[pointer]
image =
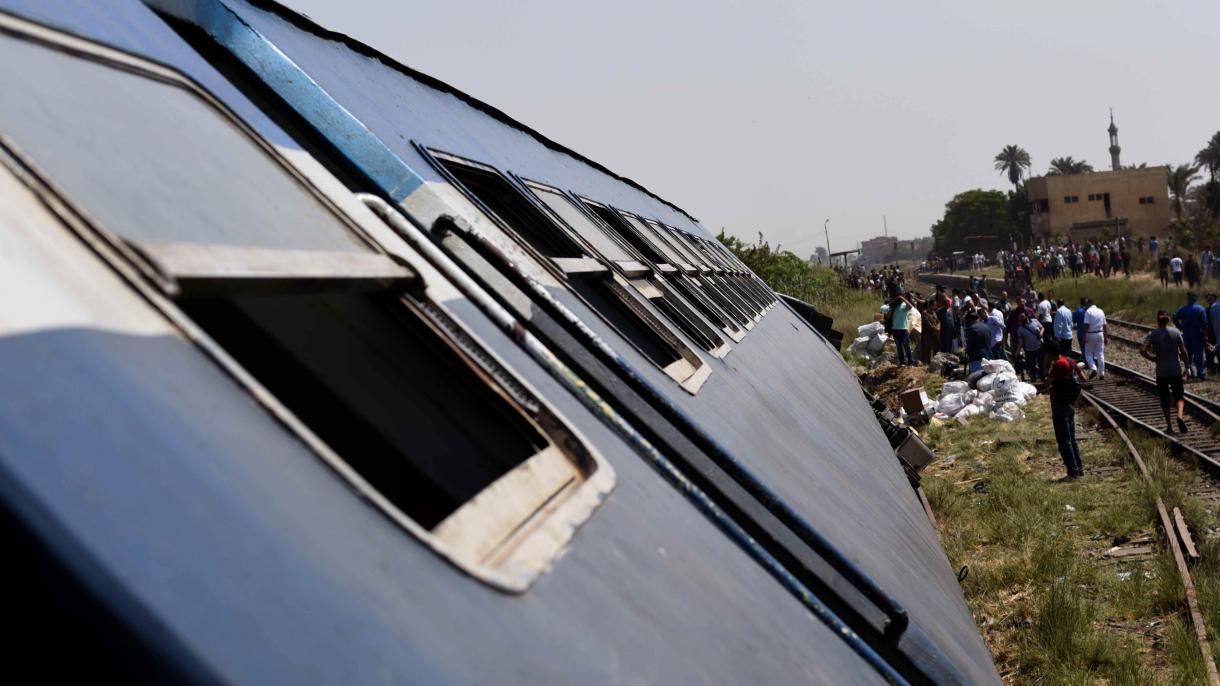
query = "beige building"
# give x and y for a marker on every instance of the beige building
(879, 249)
(1133, 202)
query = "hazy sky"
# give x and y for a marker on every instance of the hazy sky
(774, 115)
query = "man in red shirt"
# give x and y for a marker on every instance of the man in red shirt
(1062, 382)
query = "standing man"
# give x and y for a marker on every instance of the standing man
(1030, 333)
(1095, 340)
(1063, 384)
(995, 324)
(1191, 319)
(1206, 261)
(978, 342)
(1046, 312)
(1162, 267)
(1062, 326)
(948, 324)
(1213, 330)
(900, 309)
(1164, 346)
(1078, 320)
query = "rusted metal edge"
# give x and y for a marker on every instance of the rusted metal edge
(1192, 601)
(1184, 534)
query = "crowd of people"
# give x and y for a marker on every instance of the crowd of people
(996, 327)
(887, 279)
(1106, 259)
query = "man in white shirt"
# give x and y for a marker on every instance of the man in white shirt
(1175, 266)
(1045, 312)
(1095, 340)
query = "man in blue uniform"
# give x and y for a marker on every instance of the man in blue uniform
(1191, 319)
(1078, 320)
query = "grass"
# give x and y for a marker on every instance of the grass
(1135, 299)
(1053, 609)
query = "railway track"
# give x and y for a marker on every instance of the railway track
(1132, 399)
(1174, 529)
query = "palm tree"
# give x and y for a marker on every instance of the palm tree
(1012, 160)
(1210, 156)
(1067, 165)
(1180, 178)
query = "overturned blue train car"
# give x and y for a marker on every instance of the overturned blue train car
(314, 369)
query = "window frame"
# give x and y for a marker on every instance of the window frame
(711, 273)
(664, 269)
(690, 371)
(159, 274)
(647, 282)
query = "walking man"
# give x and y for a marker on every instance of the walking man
(1063, 384)
(1095, 340)
(1191, 319)
(1164, 346)
(1175, 265)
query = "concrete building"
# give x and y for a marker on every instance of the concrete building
(1133, 202)
(879, 249)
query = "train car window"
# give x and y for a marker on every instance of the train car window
(626, 232)
(725, 294)
(742, 297)
(80, 117)
(637, 273)
(652, 253)
(671, 255)
(562, 206)
(605, 292)
(334, 337)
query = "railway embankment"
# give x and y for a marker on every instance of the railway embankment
(1070, 582)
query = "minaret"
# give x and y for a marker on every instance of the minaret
(1114, 149)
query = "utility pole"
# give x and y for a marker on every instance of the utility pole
(885, 224)
(827, 232)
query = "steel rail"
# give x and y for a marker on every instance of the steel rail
(1134, 400)
(1192, 600)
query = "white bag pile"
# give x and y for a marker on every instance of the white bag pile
(870, 340)
(999, 394)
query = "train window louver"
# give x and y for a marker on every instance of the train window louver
(331, 334)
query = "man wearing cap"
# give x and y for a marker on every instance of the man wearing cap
(1095, 339)
(1191, 319)
(1165, 347)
